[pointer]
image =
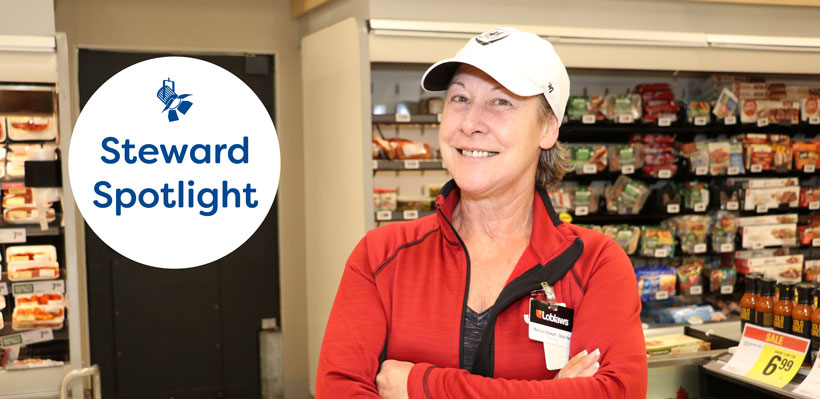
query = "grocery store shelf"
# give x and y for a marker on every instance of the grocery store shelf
(683, 174)
(388, 216)
(720, 381)
(408, 164)
(406, 119)
(575, 132)
(33, 230)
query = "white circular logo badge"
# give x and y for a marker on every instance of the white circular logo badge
(174, 162)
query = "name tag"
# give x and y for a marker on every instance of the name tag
(552, 325)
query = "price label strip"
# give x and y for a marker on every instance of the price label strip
(588, 119)
(811, 385)
(10, 236)
(730, 120)
(767, 356)
(27, 338)
(384, 215)
(38, 287)
(4, 289)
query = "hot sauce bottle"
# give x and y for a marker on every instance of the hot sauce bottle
(747, 302)
(764, 306)
(801, 315)
(783, 307)
(815, 327)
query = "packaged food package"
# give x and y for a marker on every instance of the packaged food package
(650, 87)
(432, 190)
(689, 273)
(725, 105)
(805, 153)
(698, 109)
(721, 277)
(2, 162)
(615, 106)
(654, 279)
(759, 253)
(718, 157)
(32, 262)
(736, 157)
(656, 109)
(626, 196)
(585, 196)
(809, 197)
(744, 265)
(676, 343)
(696, 195)
(785, 112)
(782, 147)
(26, 215)
(809, 109)
(623, 155)
(758, 156)
(626, 236)
(29, 318)
(695, 314)
(767, 219)
(413, 150)
(780, 272)
(691, 230)
(583, 155)
(414, 203)
(808, 234)
(31, 128)
(17, 155)
(723, 229)
(669, 198)
(384, 199)
(769, 235)
(771, 197)
(659, 154)
(811, 270)
(51, 300)
(657, 240)
(763, 182)
(697, 153)
(577, 108)
(729, 198)
(561, 198)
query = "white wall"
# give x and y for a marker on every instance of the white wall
(236, 27)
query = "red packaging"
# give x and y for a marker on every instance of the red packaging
(809, 195)
(658, 95)
(643, 88)
(805, 153)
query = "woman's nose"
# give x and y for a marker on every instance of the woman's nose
(473, 120)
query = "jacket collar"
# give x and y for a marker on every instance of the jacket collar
(550, 236)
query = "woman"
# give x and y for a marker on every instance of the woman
(433, 307)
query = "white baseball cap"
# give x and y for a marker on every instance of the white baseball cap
(520, 61)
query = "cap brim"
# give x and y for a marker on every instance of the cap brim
(438, 77)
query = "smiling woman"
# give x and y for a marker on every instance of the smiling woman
(432, 307)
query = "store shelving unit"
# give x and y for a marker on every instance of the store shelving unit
(717, 383)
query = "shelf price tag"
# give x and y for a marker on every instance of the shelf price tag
(38, 287)
(410, 215)
(27, 338)
(673, 208)
(696, 290)
(811, 384)
(665, 121)
(727, 247)
(438, 117)
(628, 170)
(625, 119)
(589, 169)
(767, 356)
(4, 289)
(14, 235)
(814, 205)
(733, 170)
(384, 215)
(701, 120)
(664, 174)
(581, 211)
(757, 245)
(815, 242)
(727, 289)
(732, 206)
(762, 122)
(375, 165)
(762, 209)
(661, 295)
(700, 207)
(756, 168)
(702, 170)
(588, 119)
(411, 164)
(730, 120)
(809, 168)
(402, 117)
(814, 120)
(661, 252)
(700, 248)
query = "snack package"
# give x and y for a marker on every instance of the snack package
(584, 155)
(31, 128)
(721, 277)
(808, 233)
(759, 264)
(561, 198)
(692, 230)
(695, 314)
(782, 147)
(810, 197)
(626, 196)
(723, 229)
(577, 107)
(785, 112)
(659, 156)
(698, 155)
(625, 235)
(758, 153)
(805, 153)
(729, 198)
(655, 279)
(669, 198)
(811, 270)
(32, 262)
(726, 104)
(412, 150)
(585, 197)
(623, 155)
(384, 199)
(689, 273)
(617, 106)
(809, 109)
(696, 195)
(774, 197)
(769, 235)
(767, 219)
(735, 157)
(698, 109)
(657, 241)
(718, 157)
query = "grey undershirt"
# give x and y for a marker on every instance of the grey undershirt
(474, 324)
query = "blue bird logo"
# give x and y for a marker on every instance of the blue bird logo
(172, 101)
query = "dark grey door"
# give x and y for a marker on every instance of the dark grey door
(181, 333)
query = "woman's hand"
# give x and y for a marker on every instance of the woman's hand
(581, 365)
(392, 379)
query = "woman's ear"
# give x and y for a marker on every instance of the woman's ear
(549, 133)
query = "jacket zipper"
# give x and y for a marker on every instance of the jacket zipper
(466, 290)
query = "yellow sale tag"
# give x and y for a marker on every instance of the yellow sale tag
(776, 366)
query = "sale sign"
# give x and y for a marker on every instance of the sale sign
(768, 356)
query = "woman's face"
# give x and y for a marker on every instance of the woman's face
(491, 138)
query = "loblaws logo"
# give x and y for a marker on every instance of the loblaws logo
(551, 317)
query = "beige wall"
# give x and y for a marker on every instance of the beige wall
(217, 26)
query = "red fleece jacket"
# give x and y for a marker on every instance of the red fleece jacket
(403, 295)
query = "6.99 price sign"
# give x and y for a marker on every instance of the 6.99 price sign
(768, 356)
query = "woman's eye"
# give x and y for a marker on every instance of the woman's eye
(457, 98)
(502, 102)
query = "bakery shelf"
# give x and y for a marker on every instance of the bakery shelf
(33, 230)
(715, 382)
(401, 215)
(408, 164)
(406, 119)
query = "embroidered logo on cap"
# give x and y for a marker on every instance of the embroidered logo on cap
(549, 86)
(491, 36)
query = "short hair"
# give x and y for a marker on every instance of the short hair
(554, 162)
